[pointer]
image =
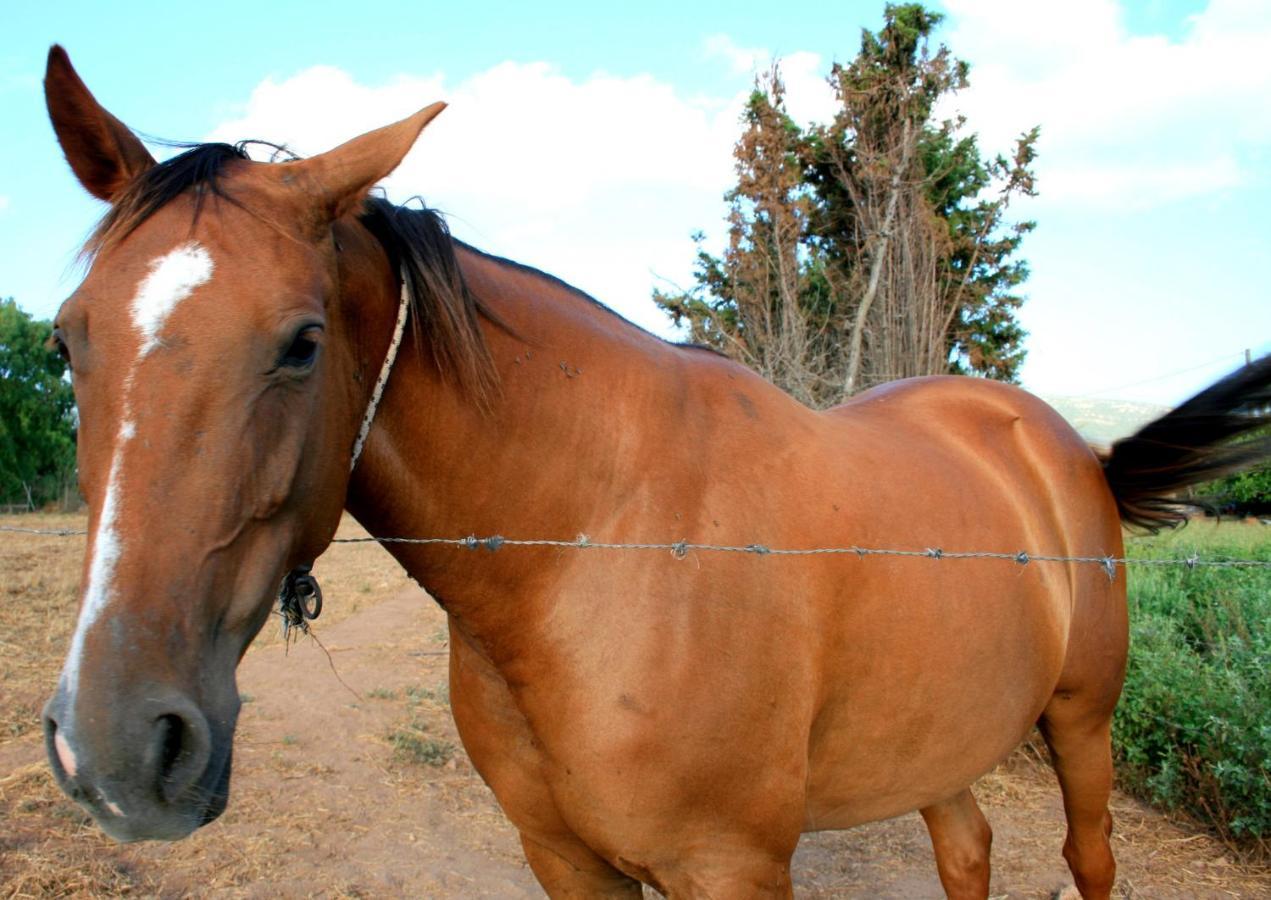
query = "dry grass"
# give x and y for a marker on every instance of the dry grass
(48, 846)
(38, 596)
(35, 811)
(1156, 854)
(302, 789)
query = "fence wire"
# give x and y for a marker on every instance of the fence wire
(681, 549)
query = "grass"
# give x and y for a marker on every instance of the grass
(38, 597)
(411, 744)
(1193, 730)
(439, 694)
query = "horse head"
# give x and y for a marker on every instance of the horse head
(220, 375)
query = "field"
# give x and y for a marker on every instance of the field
(356, 785)
(1193, 729)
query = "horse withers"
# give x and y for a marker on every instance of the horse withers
(640, 718)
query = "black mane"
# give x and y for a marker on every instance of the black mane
(445, 312)
(199, 169)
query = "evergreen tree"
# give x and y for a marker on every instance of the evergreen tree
(871, 247)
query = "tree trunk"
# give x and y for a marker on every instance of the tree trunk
(876, 264)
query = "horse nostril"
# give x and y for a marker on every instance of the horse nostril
(170, 728)
(61, 756)
(180, 750)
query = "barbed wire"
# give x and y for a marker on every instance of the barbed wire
(49, 532)
(681, 549)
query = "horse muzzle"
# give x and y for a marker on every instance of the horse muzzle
(151, 769)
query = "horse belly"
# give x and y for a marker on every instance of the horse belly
(932, 684)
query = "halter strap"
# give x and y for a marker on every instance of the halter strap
(389, 358)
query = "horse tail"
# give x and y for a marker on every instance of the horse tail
(1223, 429)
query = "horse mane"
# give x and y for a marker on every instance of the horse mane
(199, 169)
(444, 311)
(417, 240)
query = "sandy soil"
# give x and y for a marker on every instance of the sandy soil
(355, 787)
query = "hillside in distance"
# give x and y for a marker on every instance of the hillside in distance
(1104, 421)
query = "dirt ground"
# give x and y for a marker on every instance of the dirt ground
(356, 786)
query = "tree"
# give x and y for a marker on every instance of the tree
(871, 247)
(37, 412)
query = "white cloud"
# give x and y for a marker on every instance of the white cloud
(809, 97)
(740, 59)
(599, 181)
(1127, 120)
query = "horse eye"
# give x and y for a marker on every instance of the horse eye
(302, 351)
(59, 344)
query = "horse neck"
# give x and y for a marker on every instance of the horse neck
(584, 399)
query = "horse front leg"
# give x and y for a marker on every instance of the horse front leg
(582, 875)
(506, 754)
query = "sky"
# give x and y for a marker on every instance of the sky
(592, 140)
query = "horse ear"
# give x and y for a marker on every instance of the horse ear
(340, 178)
(103, 153)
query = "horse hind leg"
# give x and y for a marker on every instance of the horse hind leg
(961, 838)
(1081, 750)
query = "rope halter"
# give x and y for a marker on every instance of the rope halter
(403, 310)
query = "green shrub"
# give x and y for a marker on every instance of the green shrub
(1193, 731)
(1242, 493)
(411, 744)
(1247, 491)
(417, 693)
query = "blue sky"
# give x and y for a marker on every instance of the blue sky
(592, 140)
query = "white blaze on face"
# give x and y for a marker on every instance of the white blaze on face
(171, 279)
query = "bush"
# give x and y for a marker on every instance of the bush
(1241, 493)
(1246, 492)
(1193, 731)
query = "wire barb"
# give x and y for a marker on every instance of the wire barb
(1110, 566)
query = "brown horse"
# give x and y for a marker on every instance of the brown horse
(641, 718)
